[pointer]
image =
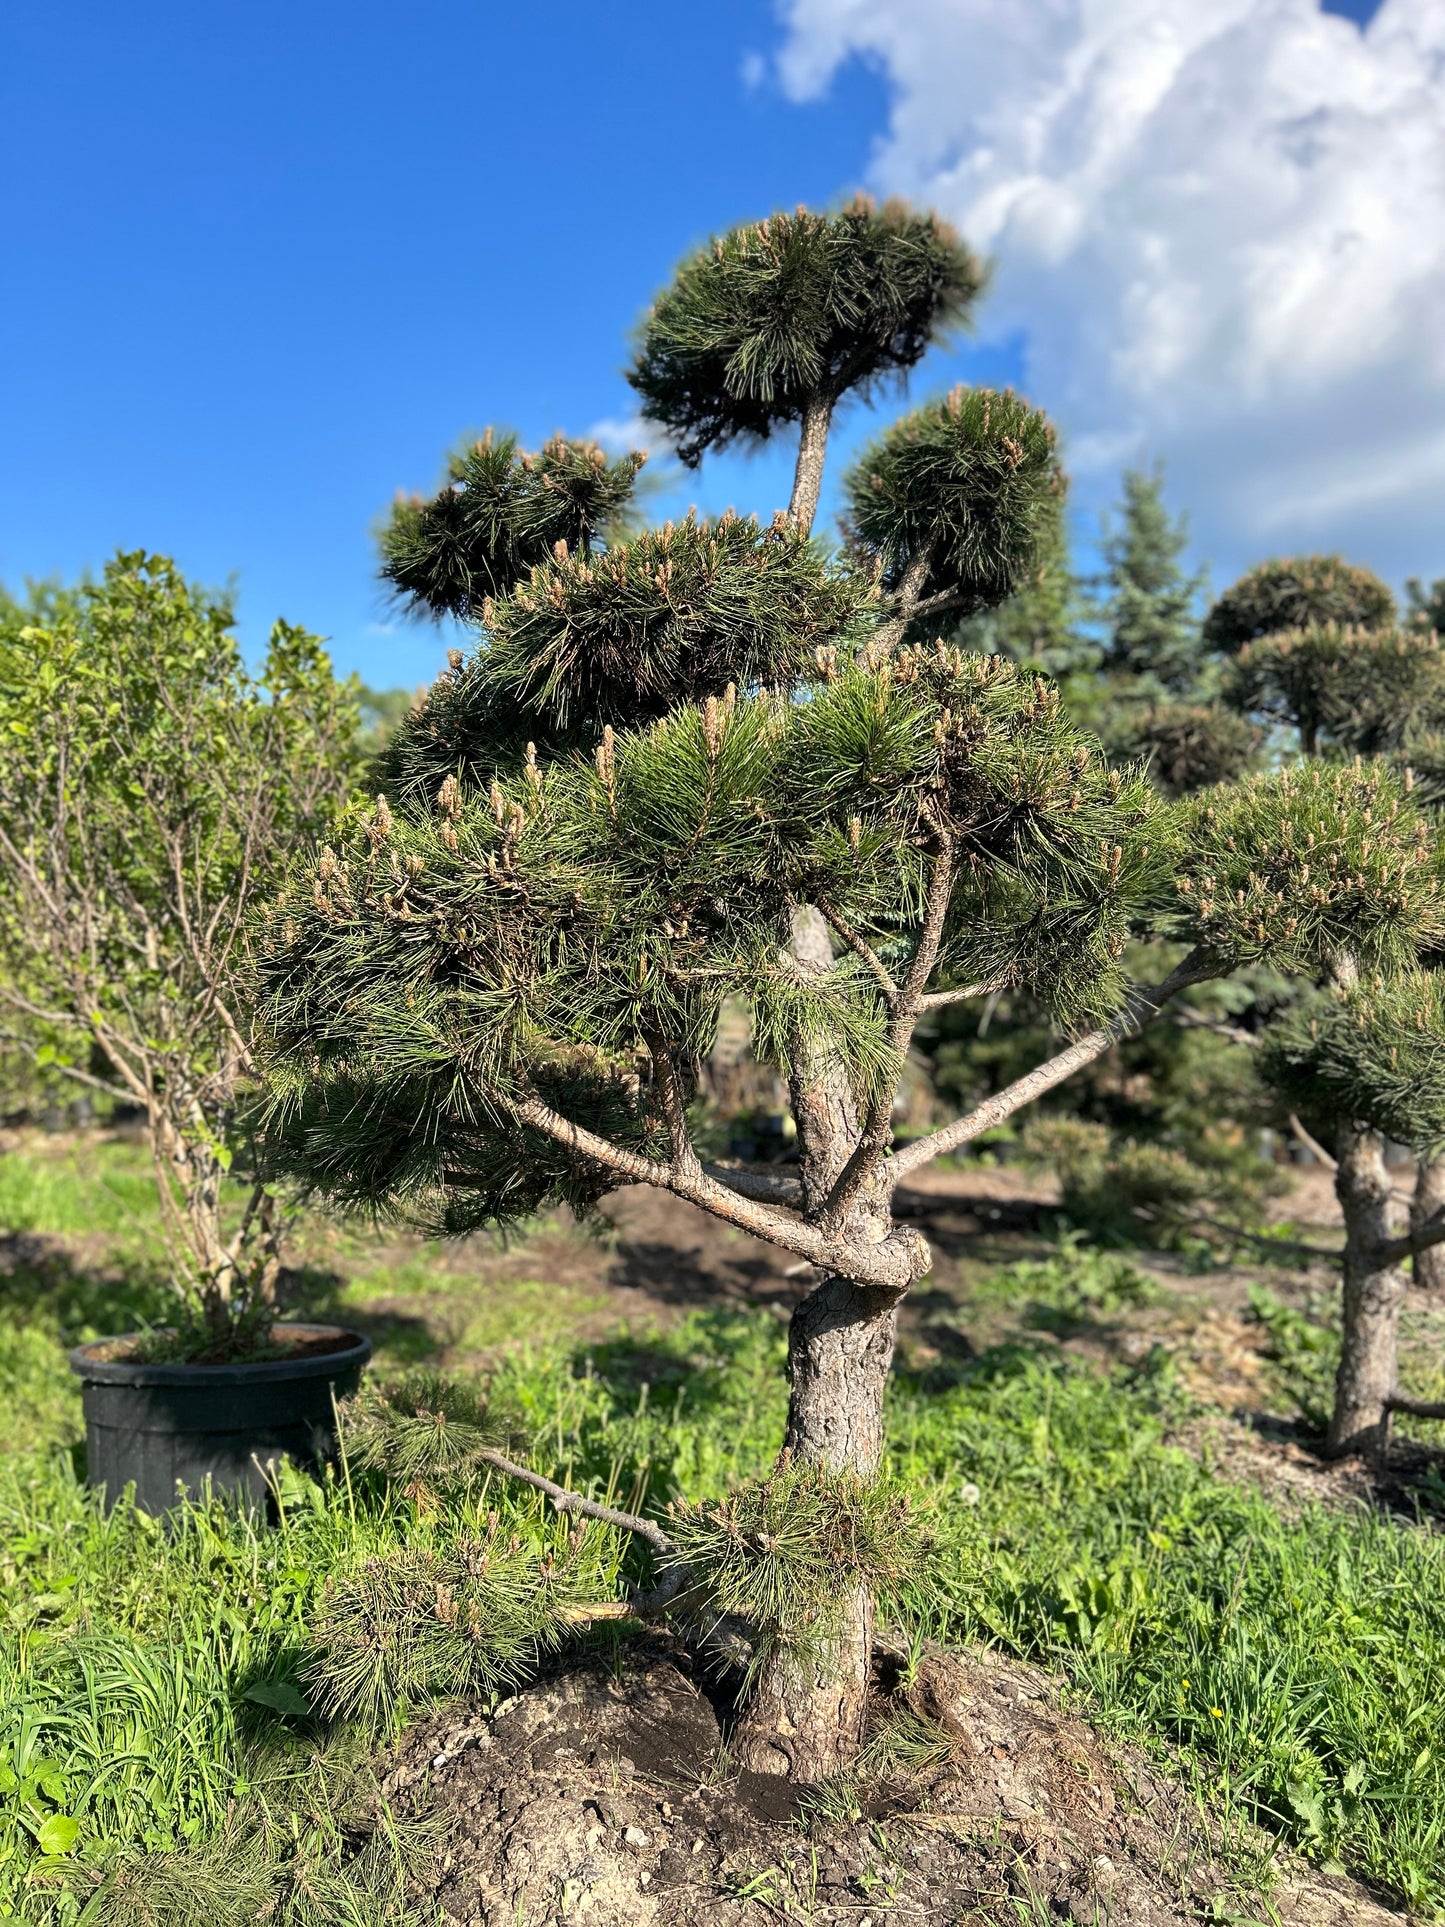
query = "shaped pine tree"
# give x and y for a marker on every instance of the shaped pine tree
(715, 761)
(1339, 678)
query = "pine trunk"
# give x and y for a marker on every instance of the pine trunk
(1429, 1198)
(805, 1716)
(812, 451)
(1373, 1292)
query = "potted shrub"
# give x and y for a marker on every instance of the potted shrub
(151, 793)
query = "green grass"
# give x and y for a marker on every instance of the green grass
(1292, 1663)
(1304, 1348)
(101, 1187)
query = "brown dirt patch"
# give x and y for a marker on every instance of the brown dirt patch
(604, 1797)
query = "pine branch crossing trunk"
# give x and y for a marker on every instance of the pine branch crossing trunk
(804, 1719)
(1429, 1198)
(1373, 1292)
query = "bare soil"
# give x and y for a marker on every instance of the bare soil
(604, 1796)
(282, 1342)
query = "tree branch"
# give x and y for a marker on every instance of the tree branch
(905, 605)
(889, 1264)
(674, 1106)
(566, 1501)
(940, 604)
(769, 1186)
(1143, 1005)
(1414, 1407)
(862, 948)
(1312, 1145)
(1394, 1251)
(812, 451)
(872, 1145)
(1195, 1020)
(936, 999)
(642, 1604)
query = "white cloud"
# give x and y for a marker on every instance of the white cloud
(1220, 225)
(620, 434)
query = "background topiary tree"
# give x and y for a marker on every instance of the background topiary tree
(1297, 593)
(714, 761)
(1335, 689)
(775, 322)
(151, 790)
(1425, 603)
(1176, 1110)
(1360, 1065)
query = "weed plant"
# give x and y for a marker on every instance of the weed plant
(1291, 1662)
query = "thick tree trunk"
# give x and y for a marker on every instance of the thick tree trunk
(804, 1719)
(812, 451)
(1429, 1198)
(1373, 1292)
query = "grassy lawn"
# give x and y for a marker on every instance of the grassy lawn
(1293, 1659)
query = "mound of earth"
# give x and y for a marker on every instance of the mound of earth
(605, 1797)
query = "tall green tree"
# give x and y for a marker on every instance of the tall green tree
(1149, 603)
(152, 793)
(494, 990)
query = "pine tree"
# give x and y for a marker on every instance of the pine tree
(1425, 604)
(1044, 624)
(1338, 689)
(1303, 592)
(494, 992)
(1365, 1063)
(1132, 668)
(1149, 606)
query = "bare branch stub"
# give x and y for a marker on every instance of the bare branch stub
(566, 1501)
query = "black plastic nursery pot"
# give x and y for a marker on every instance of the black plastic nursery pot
(164, 1427)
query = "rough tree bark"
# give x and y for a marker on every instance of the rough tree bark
(1429, 1265)
(812, 449)
(1374, 1287)
(804, 1719)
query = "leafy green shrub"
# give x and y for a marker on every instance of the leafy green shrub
(153, 791)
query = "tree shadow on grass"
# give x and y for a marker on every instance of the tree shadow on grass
(42, 1283)
(1409, 1482)
(316, 1295)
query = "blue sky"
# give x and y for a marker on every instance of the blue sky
(265, 262)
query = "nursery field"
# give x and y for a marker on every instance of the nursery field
(1112, 1454)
